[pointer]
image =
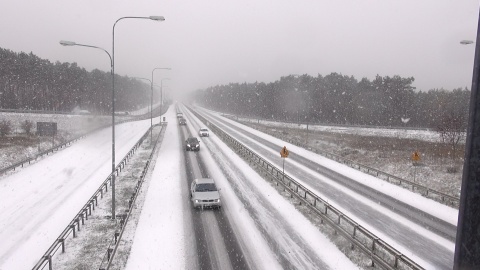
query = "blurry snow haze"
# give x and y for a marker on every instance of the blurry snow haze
(218, 42)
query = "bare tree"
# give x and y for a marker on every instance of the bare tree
(452, 129)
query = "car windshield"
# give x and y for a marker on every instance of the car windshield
(204, 129)
(192, 140)
(206, 187)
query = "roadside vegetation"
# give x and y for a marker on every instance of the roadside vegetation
(439, 167)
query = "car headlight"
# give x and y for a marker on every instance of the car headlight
(217, 200)
(197, 145)
(188, 145)
(197, 201)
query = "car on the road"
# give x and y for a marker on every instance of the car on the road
(179, 115)
(182, 121)
(204, 193)
(192, 144)
(203, 132)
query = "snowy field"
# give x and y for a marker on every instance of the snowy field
(418, 134)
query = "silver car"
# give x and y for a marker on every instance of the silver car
(203, 132)
(204, 193)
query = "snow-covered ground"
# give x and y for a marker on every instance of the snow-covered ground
(32, 215)
(38, 201)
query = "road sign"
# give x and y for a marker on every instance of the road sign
(284, 152)
(416, 156)
(46, 128)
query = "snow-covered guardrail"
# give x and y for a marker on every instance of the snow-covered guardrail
(381, 253)
(55, 148)
(85, 211)
(415, 187)
(112, 248)
(40, 155)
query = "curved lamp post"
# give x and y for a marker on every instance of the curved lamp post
(154, 18)
(112, 62)
(161, 104)
(151, 104)
(161, 91)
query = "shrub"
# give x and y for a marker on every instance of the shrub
(5, 127)
(27, 126)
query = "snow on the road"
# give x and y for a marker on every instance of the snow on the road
(39, 201)
(441, 211)
(263, 198)
(159, 241)
(436, 209)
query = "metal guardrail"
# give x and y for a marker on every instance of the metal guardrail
(378, 250)
(57, 147)
(421, 189)
(39, 155)
(110, 254)
(415, 187)
(84, 212)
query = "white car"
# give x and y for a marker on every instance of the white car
(204, 193)
(203, 132)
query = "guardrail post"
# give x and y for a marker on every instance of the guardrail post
(83, 223)
(73, 230)
(116, 236)
(63, 244)
(49, 259)
(77, 220)
(109, 253)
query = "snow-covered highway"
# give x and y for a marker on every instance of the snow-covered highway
(264, 230)
(256, 228)
(418, 227)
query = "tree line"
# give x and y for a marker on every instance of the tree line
(28, 82)
(340, 99)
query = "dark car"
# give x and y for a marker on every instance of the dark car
(182, 121)
(192, 144)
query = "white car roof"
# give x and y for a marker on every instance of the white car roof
(205, 181)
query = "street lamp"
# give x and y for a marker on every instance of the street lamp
(140, 78)
(151, 105)
(466, 42)
(112, 61)
(154, 18)
(71, 43)
(161, 105)
(161, 91)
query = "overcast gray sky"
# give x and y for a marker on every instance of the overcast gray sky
(219, 41)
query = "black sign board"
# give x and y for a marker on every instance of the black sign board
(46, 128)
